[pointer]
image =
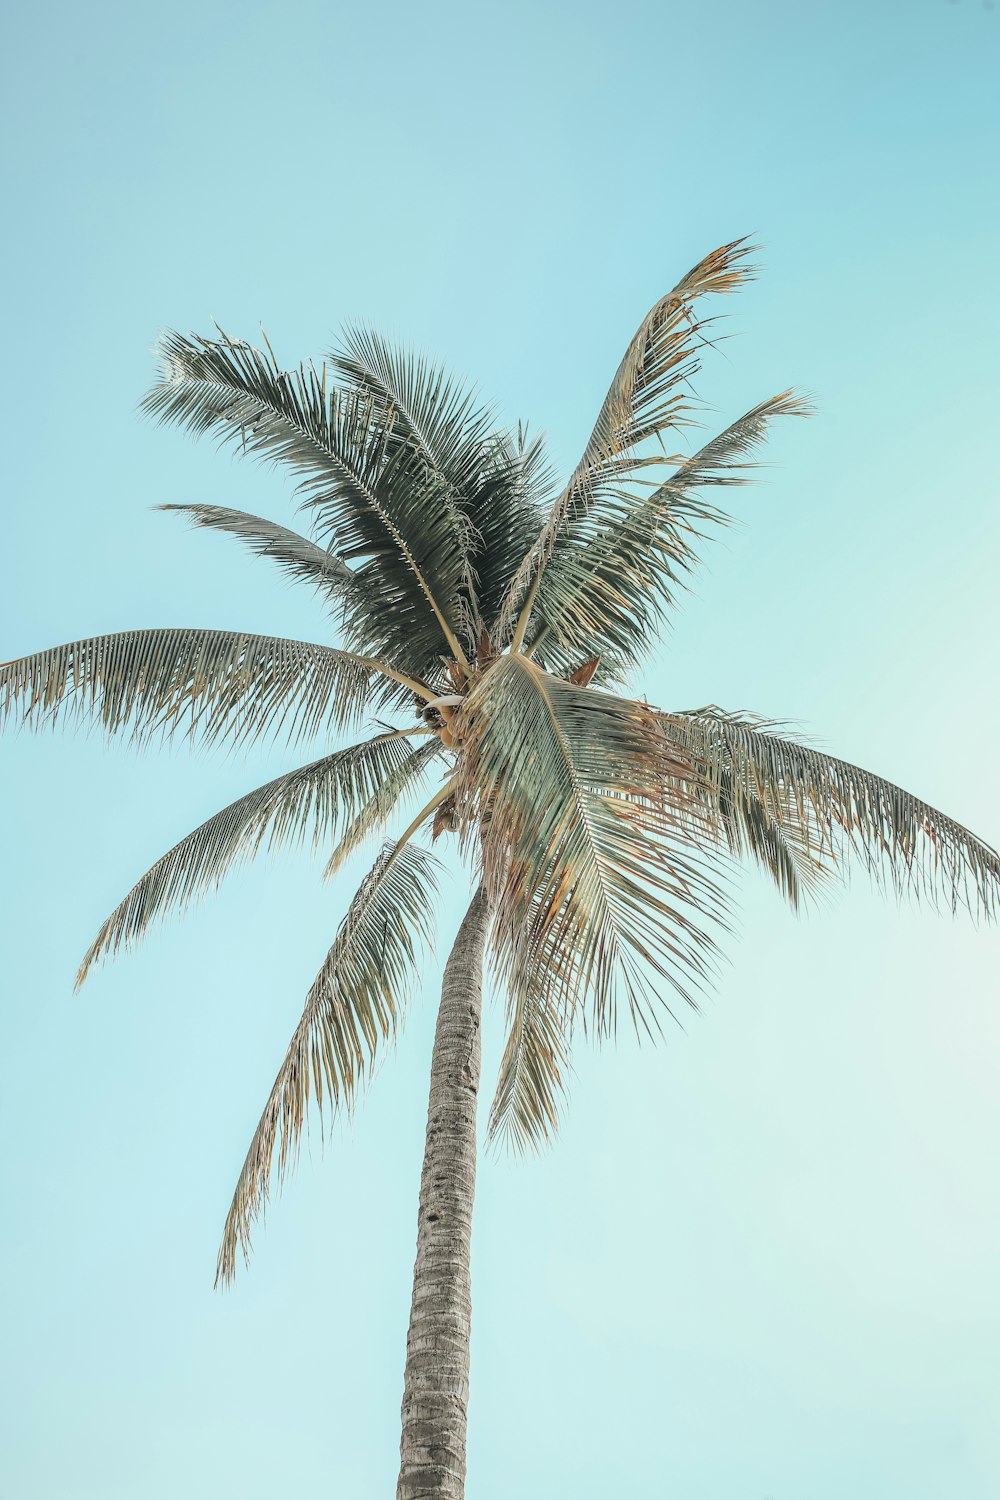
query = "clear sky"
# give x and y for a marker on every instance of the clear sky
(762, 1259)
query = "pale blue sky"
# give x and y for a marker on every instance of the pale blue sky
(762, 1259)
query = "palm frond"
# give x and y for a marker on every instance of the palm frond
(371, 497)
(724, 459)
(775, 840)
(612, 580)
(531, 1082)
(378, 807)
(833, 809)
(608, 589)
(507, 514)
(490, 480)
(314, 800)
(647, 397)
(295, 554)
(432, 411)
(352, 1009)
(591, 856)
(213, 684)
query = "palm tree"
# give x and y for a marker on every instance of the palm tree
(597, 828)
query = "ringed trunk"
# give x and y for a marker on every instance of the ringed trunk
(436, 1382)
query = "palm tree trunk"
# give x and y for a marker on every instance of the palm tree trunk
(436, 1383)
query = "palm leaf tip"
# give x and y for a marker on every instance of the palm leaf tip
(830, 810)
(531, 1083)
(296, 555)
(648, 397)
(352, 1009)
(312, 803)
(722, 271)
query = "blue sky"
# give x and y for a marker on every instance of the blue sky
(762, 1259)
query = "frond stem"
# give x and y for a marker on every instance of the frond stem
(521, 628)
(421, 689)
(425, 812)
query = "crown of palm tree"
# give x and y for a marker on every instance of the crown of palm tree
(506, 613)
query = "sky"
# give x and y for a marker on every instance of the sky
(761, 1259)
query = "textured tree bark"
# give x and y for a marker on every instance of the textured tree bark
(436, 1383)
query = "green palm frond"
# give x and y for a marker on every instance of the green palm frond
(532, 1079)
(352, 1009)
(833, 809)
(608, 588)
(591, 856)
(295, 554)
(213, 684)
(381, 802)
(490, 482)
(315, 800)
(724, 459)
(509, 512)
(776, 840)
(372, 498)
(432, 411)
(647, 397)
